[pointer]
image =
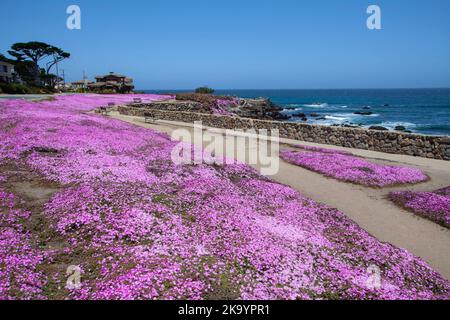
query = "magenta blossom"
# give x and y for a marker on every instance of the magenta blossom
(345, 167)
(431, 205)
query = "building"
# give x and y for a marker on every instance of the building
(80, 84)
(112, 82)
(7, 73)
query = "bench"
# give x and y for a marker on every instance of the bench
(104, 110)
(149, 117)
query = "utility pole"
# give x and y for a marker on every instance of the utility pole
(57, 73)
(85, 79)
(63, 76)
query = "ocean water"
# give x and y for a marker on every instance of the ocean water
(423, 111)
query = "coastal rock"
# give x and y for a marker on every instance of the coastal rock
(379, 128)
(299, 115)
(364, 113)
(447, 153)
(400, 128)
(260, 108)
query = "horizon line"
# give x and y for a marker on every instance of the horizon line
(287, 89)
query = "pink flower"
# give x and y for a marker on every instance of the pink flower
(345, 167)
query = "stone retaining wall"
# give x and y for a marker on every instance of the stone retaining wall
(172, 105)
(384, 141)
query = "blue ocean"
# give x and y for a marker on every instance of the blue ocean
(424, 111)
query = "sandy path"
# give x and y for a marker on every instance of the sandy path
(368, 207)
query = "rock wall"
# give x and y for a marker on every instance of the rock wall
(384, 141)
(173, 105)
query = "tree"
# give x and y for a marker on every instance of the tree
(205, 90)
(26, 71)
(58, 55)
(35, 52)
(50, 80)
(5, 59)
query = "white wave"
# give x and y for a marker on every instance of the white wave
(392, 124)
(316, 105)
(370, 115)
(336, 118)
(346, 116)
(289, 110)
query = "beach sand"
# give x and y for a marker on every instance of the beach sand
(368, 207)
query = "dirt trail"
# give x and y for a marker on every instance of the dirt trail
(368, 207)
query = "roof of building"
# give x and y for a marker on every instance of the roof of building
(108, 83)
(111, 74)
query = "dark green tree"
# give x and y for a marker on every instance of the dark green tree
(35, 52)
(26, 70)
(5, 59)
(58, 55)
(205, 90)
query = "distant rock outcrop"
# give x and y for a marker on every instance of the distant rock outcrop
(260, 108)
(379, 128)
(364, 113)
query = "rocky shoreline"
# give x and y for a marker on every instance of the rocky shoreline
(434, 147)
(257, 108)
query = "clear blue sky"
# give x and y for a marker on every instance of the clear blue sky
(168, 44)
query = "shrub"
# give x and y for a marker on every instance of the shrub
(13, 88)
(204, 90)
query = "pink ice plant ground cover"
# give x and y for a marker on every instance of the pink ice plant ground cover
(222, 106)
(319, 149)
(19, 259)
(344, 166)
(141, 227)
(431, 205)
